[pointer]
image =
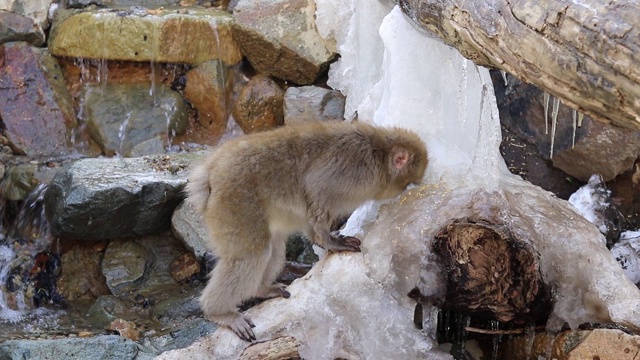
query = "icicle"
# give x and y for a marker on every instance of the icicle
(504, 77)
(495, 339)
(575, 123)
(529, 339)
(554, 122)
(546, 111)
(580, 118)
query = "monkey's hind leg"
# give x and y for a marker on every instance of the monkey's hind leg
(231, 282)
(268, 289)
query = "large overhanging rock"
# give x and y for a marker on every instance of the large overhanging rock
(586, 53)
(192, 37)
(107, 198)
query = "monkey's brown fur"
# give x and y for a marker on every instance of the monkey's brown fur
(256, 190)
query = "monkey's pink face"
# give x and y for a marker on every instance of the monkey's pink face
(411, 173)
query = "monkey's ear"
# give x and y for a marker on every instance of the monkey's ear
(400, 158)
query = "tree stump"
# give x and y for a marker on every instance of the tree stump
(490, 273)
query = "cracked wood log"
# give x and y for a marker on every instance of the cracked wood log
(490, 273)
(282, 348)
(586, 52)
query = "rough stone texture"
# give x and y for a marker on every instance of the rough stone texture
(604, 149)
(183, 306)
(128, 121)
(188, 226)
(126, 266)
(189, 331)
(191, 36)
(260, 105)
(165, 249)
(109, 198)
(107, 308)
(311, 103)
(80, 72)
(35, 106)
(35, 9)
(599, 148)
(105, 347)
(280, 39)
(16, 27)
(606, 344)
(207, 87)
(81, 276)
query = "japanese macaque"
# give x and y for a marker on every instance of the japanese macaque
(256, 190)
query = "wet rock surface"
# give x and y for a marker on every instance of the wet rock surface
(207, 89)
(81, 277)
(126, 266)
(35, 106)
(139, 34)
(126, 120)
(21, 179)
(259, 105)
(107, 198)
(280, 39)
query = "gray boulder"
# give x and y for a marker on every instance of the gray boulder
(126, 266)
(188, 226)
(105, 347)
(310, 103)
(125, 119)
(16, 27)
(111, 198)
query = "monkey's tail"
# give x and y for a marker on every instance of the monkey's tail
(198, 188)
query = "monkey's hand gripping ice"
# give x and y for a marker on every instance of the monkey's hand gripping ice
(343, 243)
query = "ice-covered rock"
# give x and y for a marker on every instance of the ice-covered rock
(592, 201)
(355, 305)
(627, 253)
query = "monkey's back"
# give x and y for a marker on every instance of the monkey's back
(262, 179)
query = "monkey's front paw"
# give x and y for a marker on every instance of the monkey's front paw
(273, 291)
(344, 243)
(242, 326)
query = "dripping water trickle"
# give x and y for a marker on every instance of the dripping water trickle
(28, 236)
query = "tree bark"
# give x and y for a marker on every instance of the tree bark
(491, 273)
(282, 348)
(586, 52)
